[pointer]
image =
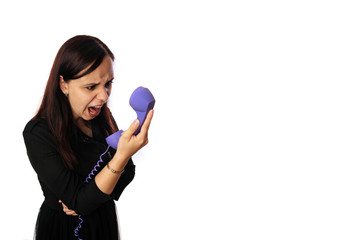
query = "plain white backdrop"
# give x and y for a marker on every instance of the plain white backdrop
(258, 129)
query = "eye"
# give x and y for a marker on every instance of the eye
(92, 87)
(109, 83)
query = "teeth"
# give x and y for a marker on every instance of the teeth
(97, 107)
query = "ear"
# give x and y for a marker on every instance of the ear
(63, 85)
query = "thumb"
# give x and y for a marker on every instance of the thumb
(133, 127)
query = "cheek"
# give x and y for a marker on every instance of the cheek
(79, 102)
(75, 105)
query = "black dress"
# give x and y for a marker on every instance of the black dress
(58, 182)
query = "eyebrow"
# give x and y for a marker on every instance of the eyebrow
(97, 83)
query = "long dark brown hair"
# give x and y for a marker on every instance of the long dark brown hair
(74, 56)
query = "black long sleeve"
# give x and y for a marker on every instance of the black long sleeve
(58, 182)
(56, 179)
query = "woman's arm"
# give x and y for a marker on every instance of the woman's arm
(63, 184)
(58, 182)
(128, 145)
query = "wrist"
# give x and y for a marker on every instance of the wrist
(119, 160)
(113, 170)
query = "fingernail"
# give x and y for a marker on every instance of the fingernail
(136, 121)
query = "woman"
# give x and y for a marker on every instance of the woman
(66, 138)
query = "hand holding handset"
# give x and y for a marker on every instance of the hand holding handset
(142, 101)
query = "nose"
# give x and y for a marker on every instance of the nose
(103, 94)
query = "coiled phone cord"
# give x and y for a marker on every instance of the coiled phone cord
(92, 173)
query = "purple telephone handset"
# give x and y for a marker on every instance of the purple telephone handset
(142, 101)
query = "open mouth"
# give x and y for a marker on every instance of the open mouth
(94, 111)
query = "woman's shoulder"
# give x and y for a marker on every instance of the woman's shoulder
(37, 127)
(38, 135)
(35, 124)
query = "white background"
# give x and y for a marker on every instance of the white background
(258, 129)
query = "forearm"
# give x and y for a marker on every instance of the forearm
(128, 144)
(106, 179)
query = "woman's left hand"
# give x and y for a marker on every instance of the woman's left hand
(67, 210)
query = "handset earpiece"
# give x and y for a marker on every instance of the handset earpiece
(142, 101)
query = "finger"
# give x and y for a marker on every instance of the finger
(144, 129)
(70, 212)
(64, 206)
(133, 127)
(67, 210)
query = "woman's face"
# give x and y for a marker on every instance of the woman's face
(89, 93)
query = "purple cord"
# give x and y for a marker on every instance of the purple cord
(92, 173)
(78, 227)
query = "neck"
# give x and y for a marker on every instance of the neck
(84, 126)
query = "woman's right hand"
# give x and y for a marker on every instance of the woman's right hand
(129, 143)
